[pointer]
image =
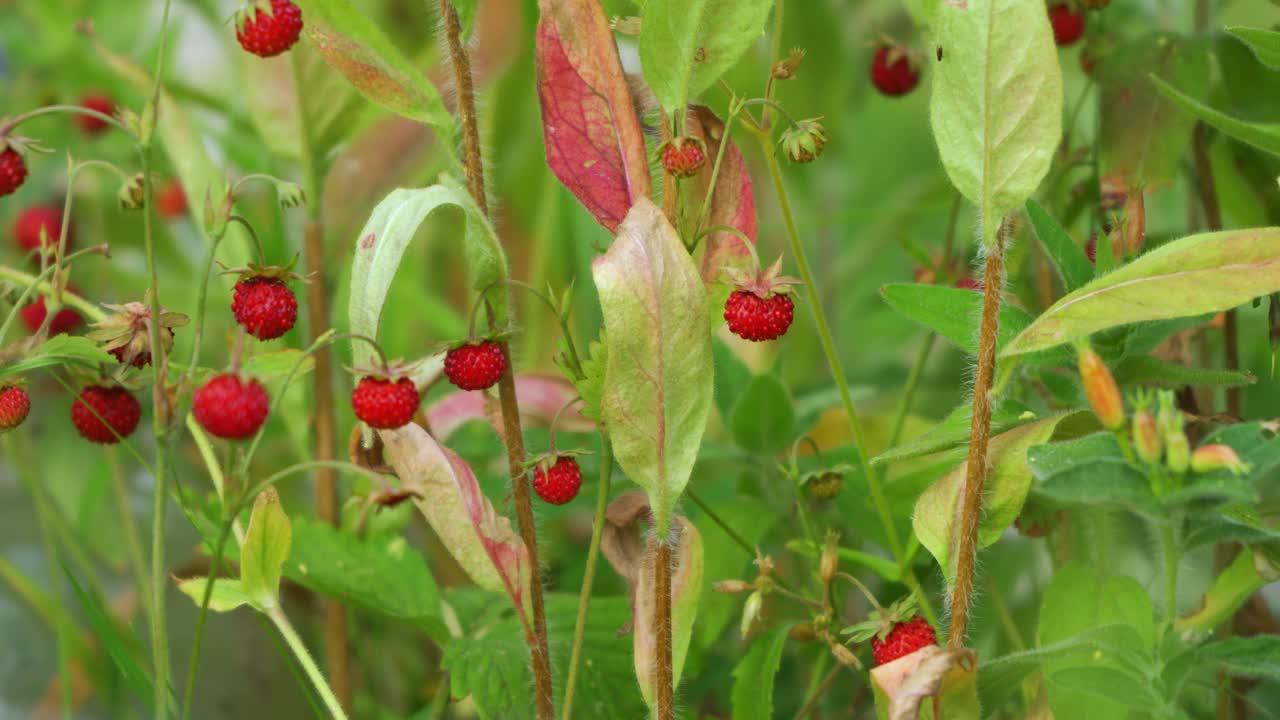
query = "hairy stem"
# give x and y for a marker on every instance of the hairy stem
(965, 541)
(662, 624)
(588, 579)
(281, 621)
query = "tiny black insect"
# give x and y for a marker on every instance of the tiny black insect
(939, 53)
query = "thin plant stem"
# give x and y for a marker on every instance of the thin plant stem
(913, 382)
(965, 539)
(588, 579)
(46, 288)
(281, 621)
(818, 692)
(29, 289)
(133, 540)
(1169, 544)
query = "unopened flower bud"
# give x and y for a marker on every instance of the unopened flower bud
(732, 587)
(751, 612)
(1168, 416)
(844, 655)
(1146, 437)
(1100, 387)
(1177, 454)
(133, 194)
(786, 68)
(829, 561)
(804, 141)
(1210, 458)
(826, 486)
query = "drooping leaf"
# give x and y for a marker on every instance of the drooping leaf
(228, 593)
(381, 246)
(904, 687)
(1196, 275)
(265, 549)
(380, 574)
(996, 107)
(592, 134)
(1154, 372)
(753, 677)
(540, 396)
(354, 46)
(478, 538)
(1257, 656)
(686, 594)
(1230, 590)
(1073, 265)
(952, 312)
(1264, 136)
(1265, 44)
(1005, 490)
(658, 389)
(686, 45)
(953, 432)
(733, 202)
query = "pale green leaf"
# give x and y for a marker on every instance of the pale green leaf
(996, 108)
(1264, 136)
(686, 595)
(1230, 590)
(952, 312)
(1073, 265)
(266, 547)
(686, 45)
(61, 350)
(1196, 275)
(658, 380)
(228, 594)
(382, 243)
(1257, 656)
(1265, 44)
(753, 677)
(1154, 372)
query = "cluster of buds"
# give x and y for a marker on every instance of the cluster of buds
(764, 584)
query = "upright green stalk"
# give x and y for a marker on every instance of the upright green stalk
(1169, 543)
(299, 649)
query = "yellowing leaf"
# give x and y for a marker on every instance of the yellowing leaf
(266, 547)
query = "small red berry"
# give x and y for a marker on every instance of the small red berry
(1068, 25)
(755, 318)
(13, 171)
(143, 358)
(269, 34)
(33, 317)
(560, 483)
(383, 404)
(34, 219)
(105, 415)
(475, 366)
(231, 408)
(14, 406)
(171, 201)
(100, 103)
(968, 283)
(683, 157)
(904, 639)
(892, 71)
(264, 306)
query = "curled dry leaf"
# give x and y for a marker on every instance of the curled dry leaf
(478, 538)
(593, 137)
(948, 677)
(733, 202)
(540, 396)
(622, 541)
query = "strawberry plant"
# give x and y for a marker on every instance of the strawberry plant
(992, 436)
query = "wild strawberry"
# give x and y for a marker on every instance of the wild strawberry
(383, 403)
(105, 415)
(893, 72)
(14, 406)
(475, 365)
(64, 321)
(1068, 25)
(126, 332)
(264, 306)
(558, 482)
(268, 32)
(100, 103)
(231, 408)
(904, 639)
(760, 306)
(683, 156)
(171, 201)
(33, 220)
(13, 171)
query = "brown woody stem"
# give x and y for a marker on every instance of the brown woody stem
(539, 656)
(662, 622)
(966, 538)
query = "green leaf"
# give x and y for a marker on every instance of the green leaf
(1229, 592)
(61, 350)
(1232, 524)
(1154, 372)
(996, 107)
(1073, 265)
(266, 547)
(1264, 136)
(123, 653)
(1090, 471)
(686, 45)
(953, 432)
(952, 312)
(1196, 275)
(228, 593)
(381, 246)
(763, 419)
(1256, 657)
(753, 677)
(381, 574)
(1265, 44)
(354, 46)
(658, 389)
(1001, 676)
(1114, 685)
(732, 376)
(1008, 481)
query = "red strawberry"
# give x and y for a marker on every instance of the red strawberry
(267, 34)
(14, 406)
(100, 103)
(33, 317)
(892, 71)
(559, 483)
(13, 171)
(105, 415)
(1068, 25)
(683, 156)
(231, 408)
(264, 306)
(171, 201)
(475, 366)
(902, 640)
(33, 220)
(758, 318)
(385, 404)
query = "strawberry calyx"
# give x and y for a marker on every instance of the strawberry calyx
(269, 272)
(126, 332)
(881, 621)
(763, 283)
